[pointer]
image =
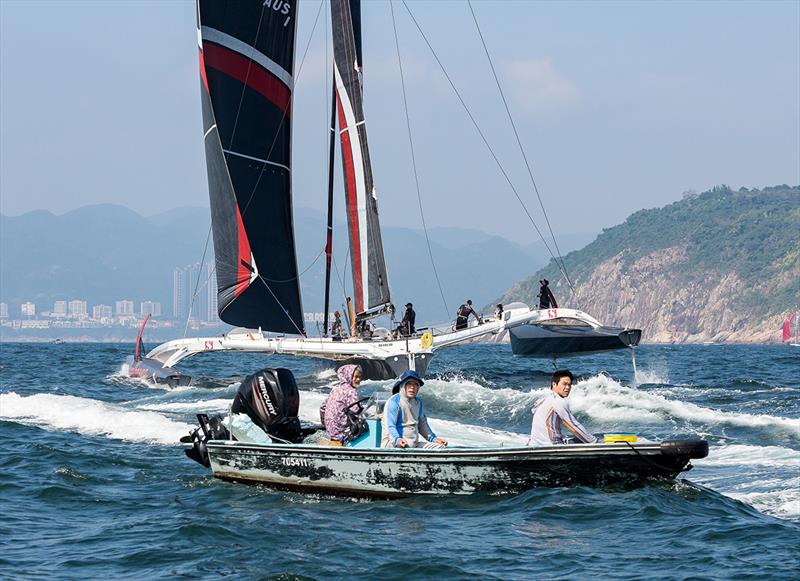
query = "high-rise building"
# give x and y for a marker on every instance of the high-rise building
(123, 308)
(152, 308)
(3, 310)
(59, 309)
(180, 292)
(77, 309)
(195, 288)
(101, 312)
(28, 310)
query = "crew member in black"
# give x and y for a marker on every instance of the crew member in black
(409, 320)
(463, 313)
(546, 298)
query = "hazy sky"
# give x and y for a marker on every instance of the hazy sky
(620, 106)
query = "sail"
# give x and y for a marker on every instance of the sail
(246, 71)
(370, 280)
(787, 327)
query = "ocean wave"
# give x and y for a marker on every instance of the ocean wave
(471, 399)
(604, 399)
(765, 477)
(740, 454)
(90, 417)
(206, 405)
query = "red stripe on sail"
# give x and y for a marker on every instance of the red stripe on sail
(352, 206)
(249, 73)
(245, 256)
(203, 70)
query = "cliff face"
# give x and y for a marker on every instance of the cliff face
(728, 274)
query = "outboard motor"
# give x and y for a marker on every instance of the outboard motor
(210, 429)
(271, 400)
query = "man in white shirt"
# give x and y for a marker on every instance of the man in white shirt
(551, 413)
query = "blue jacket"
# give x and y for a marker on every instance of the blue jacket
(397, 412)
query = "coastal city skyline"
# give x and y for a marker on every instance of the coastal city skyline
(194, 288)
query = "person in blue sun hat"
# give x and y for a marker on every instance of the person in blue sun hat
(405, 424)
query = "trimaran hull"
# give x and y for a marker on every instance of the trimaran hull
(564, 340)
(392, 473)
(386, 359)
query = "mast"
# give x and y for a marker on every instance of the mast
(329, 241)
(246, 50)
(370, 278)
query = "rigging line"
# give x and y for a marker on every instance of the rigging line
(480, 132)
(197, 292)
(285, 311)
(196, 284)
(283, 113)
(414, 160)
(313, 262)
(339, 278)
(247, 76)
(519, 143)
(342, 280)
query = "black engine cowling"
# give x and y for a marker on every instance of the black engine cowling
(271, 400)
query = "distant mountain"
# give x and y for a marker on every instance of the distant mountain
(107, 252)
(719, 266)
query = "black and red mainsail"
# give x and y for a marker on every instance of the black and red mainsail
(246, 69)
(370, 281)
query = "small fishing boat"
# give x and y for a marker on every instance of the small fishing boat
(262, 442)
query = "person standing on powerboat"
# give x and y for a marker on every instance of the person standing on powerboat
(404, 419)
(551, 413)
(344, 395)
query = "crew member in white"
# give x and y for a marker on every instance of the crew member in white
(551, 412)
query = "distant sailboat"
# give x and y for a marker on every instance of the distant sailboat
(792, 339)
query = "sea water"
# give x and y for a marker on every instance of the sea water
(94, 483)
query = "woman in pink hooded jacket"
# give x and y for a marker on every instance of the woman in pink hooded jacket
(342, 396)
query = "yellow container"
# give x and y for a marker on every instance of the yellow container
(613, 438)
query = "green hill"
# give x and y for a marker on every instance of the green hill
(721, 265)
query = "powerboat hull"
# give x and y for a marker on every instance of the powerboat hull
(533, 340)
(386, 473)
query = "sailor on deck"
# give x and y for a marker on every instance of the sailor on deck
(407, 325)
(463, 313)
(551, 413)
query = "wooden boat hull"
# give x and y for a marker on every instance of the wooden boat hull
(393, 473)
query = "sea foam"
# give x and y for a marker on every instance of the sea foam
(765, 477)
(90, 417)
(604, 399)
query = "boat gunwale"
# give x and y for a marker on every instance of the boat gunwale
(443, 454)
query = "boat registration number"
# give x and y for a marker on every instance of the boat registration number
(289, 461)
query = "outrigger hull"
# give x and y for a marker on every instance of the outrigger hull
(534, 340)
(155, 372)
(396, 473)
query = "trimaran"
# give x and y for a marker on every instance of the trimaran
(247, 76)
